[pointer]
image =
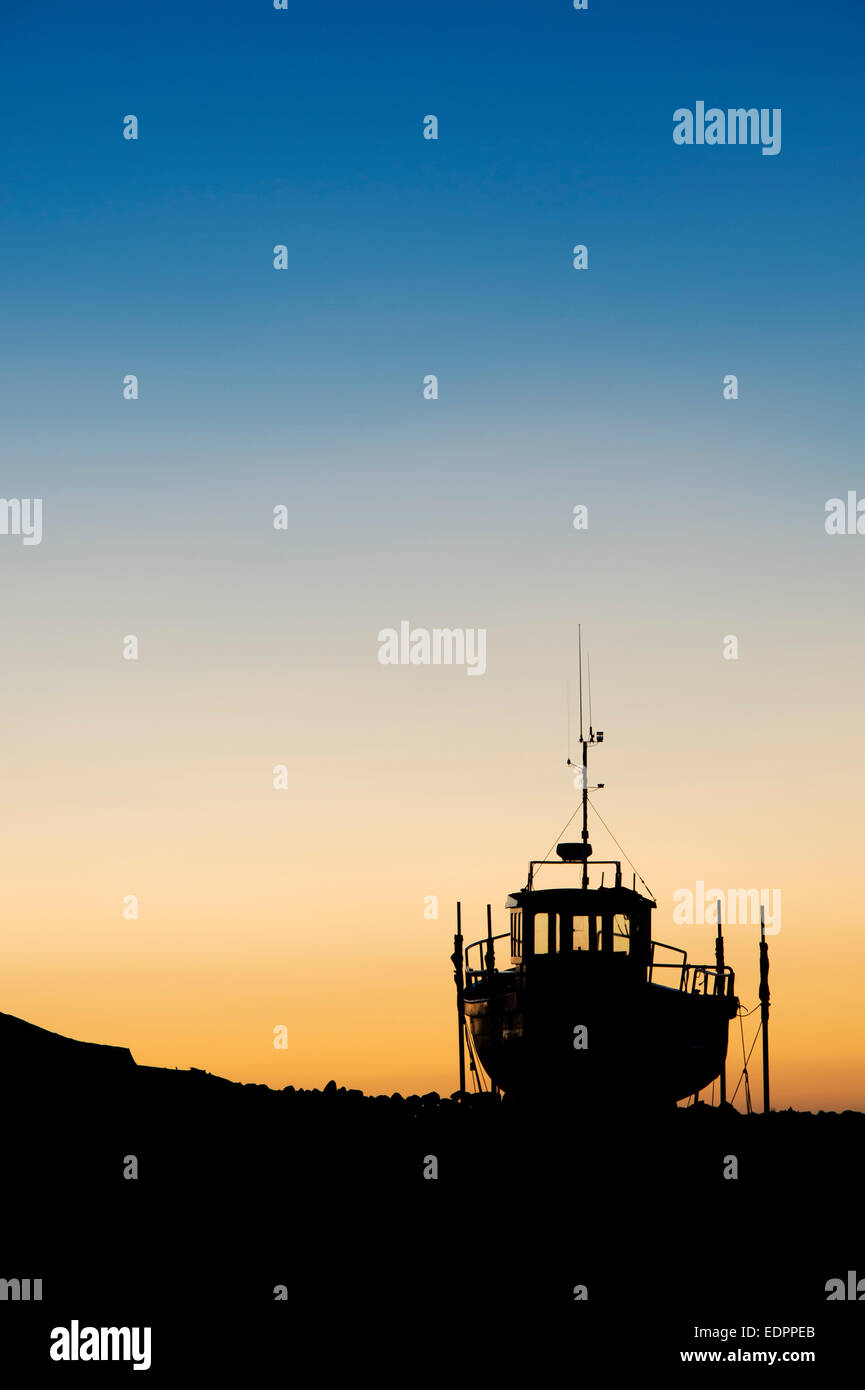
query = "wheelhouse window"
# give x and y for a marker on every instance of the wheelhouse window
(585, 934)
(543, 944)
(516, 932)
(621, 933)
(556, 932)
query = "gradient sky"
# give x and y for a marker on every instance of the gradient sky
(257, 127)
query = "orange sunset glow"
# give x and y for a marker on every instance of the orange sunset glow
(304, 907)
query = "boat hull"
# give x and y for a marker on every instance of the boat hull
(596, 1030)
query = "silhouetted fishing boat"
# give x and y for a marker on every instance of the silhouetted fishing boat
(590, 1003)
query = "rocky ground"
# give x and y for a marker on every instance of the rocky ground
(415, 1233)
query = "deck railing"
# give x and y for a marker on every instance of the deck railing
(486, 963)
(693, 979)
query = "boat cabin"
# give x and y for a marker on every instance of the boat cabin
(558, 921)
(564, 920)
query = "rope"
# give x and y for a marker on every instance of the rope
(559, 836)
(618, 846)
(474, 1062)
(612, 837)
(747, 1060)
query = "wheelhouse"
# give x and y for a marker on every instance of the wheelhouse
(566, 920)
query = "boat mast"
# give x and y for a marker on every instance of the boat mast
(764, 1007)
(584, 767)
(585, 777)
(720, 987)
(584, 744)
(459, 981)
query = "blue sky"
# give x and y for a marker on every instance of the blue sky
(407, 256)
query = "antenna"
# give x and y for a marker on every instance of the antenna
(580, 651)
(589, 670)
(584, 780)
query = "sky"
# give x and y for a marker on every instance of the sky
(303, 907)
